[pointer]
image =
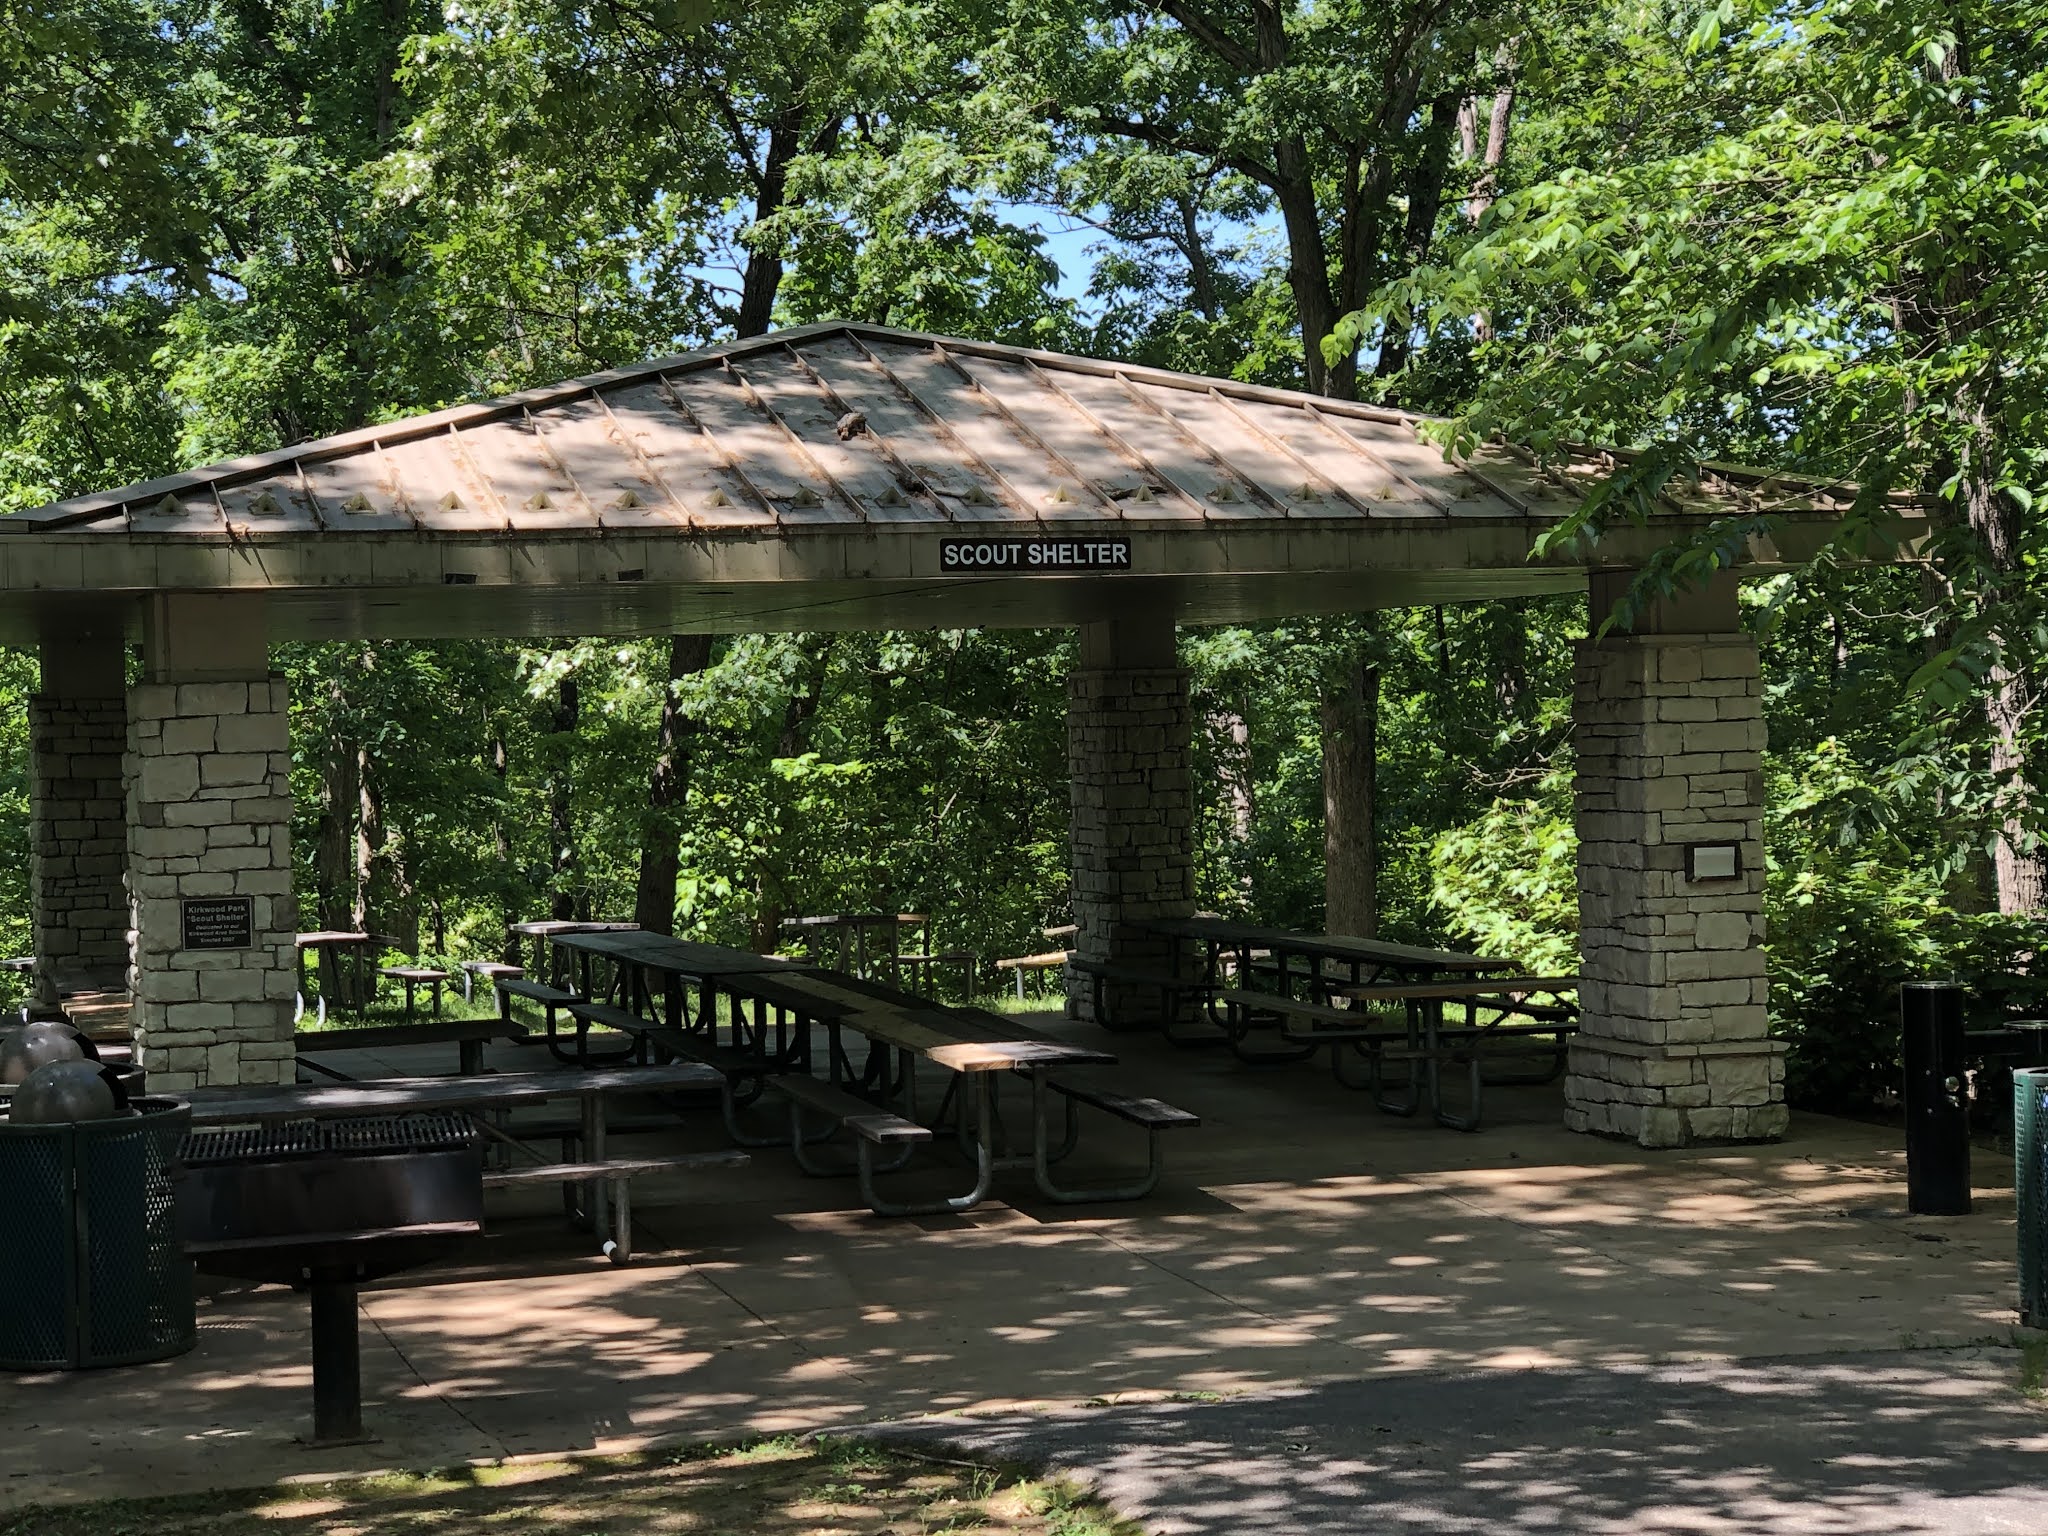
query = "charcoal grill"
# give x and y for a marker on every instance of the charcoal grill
(326, 1205)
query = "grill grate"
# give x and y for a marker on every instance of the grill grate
(364, 1136)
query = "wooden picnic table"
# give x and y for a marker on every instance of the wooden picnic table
(332, 943)
(477, 1096)
(972, 1045)
(978, 1049)
(852, 930)
(1221, 934)
(1304, 961)
(637, 955)
(545, 931)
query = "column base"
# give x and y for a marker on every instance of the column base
(1676, 1095)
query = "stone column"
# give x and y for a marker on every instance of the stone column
(78, 840)
(212, 962)
(1673, 1046)
(1133, 803)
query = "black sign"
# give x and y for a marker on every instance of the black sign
(1032, 557)
(219, 922)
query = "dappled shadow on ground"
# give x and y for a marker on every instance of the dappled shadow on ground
(1299, 1239)
(1927, 1441)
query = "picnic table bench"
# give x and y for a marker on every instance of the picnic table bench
(1424, 1040)
(1051, 959)
(489, 970)
(469, 1036)
(603, 1180)
(1180, 995)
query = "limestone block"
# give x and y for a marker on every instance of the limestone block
(169, 779)
(231, 768)
(199, 813)
(1759, 1123)
(1714, 994)
(1723, 930)
(194, 735)
(265, 733)
(1678, 664)
(1661, 1127)
(1710, 1124)
(1729, 661)
(206, 698)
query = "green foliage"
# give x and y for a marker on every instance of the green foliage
(1507, 883)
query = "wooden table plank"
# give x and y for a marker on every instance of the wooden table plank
(1228, 931)
(371, 1037)
(1006, 1055)
(412, 1095)
(679, 957)
(1457, 991)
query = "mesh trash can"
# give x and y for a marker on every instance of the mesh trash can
(2030, 1189)
(91, 1272)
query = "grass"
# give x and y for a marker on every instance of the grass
(2034, 1368)
(777, 1487)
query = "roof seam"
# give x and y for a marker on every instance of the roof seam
(931, 412)
(1281, 447)
(988, 396)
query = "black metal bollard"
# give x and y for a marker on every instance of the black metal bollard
(1937, 1118)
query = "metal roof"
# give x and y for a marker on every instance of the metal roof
(810, 479)
(855, 426)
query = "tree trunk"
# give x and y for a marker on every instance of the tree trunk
(1486, 185)
(1308, 277)
(334, 843)
(384, 904)
(1202, 290)
(772, 883)
(762, 279)
(501, 836)
(1233, 735)
(1425, 200)
(654, 897)
(2020, 860)
(369, 916)
(1350, 764)
(561, 819)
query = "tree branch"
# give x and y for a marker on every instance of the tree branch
(1206, 31)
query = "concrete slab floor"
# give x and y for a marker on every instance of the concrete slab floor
(1303, 1249)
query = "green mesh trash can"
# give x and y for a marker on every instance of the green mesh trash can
(2030, 1186)
(91, 1272)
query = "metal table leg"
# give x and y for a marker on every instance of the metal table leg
(593, 1151)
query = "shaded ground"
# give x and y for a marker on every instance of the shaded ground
(1300, 1241)
(1928, 1441)
(774, 1489)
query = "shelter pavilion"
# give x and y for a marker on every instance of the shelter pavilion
(847, 476)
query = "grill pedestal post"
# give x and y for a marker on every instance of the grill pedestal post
(337, 1361)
